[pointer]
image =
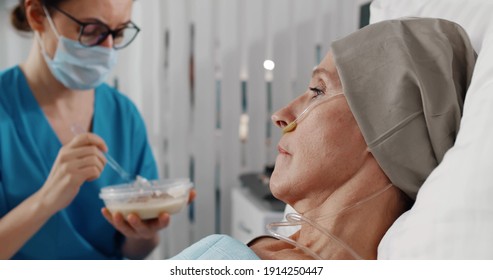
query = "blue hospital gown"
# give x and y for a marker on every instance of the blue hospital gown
(217, 247)
(28, 148)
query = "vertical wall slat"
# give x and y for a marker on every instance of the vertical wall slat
(128, 71)
(255, 48)
(204, 115)
(4, 21)
(179, 110)
(283, 55)
(329, 21)
(305, 26)
(231, 106)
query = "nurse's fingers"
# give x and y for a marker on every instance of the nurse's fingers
(88, 168)
(84, 151)
(88, 139)
(148, 228)
(192, 196)
(82, 157)
(163, 219)
(90, 161)
(90, 173)
(119, 223)
(107, 215)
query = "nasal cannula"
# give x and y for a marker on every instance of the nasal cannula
(292, 125)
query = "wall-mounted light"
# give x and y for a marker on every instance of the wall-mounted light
(269, 65)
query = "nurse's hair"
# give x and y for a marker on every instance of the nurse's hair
(18, 15)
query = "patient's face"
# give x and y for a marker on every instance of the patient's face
(324, 150)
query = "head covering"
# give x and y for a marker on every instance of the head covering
(405, 81)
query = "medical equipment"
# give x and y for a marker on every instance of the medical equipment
(295, 219)
(292, 125)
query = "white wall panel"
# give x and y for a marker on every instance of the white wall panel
(3, 36)
(305, 43)
(328, 24)
(15, 45)
(180, 120)
(254, 47)
(282, 34)
(128, 72)
(204, 137)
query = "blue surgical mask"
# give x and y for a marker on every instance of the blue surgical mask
(76, 66)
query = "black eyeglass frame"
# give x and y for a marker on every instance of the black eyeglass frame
(111, 32)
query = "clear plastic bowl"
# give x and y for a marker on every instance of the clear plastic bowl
(147, 199)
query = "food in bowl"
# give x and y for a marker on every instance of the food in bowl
(147, 199)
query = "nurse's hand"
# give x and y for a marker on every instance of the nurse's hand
(134, 227)
(78, 161)
(141, 236)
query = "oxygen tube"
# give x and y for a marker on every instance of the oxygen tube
(295, 219)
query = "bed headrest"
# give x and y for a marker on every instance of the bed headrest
(473, 15)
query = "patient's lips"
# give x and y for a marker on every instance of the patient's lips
(282, 151)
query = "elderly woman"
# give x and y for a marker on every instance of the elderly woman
(381, 110)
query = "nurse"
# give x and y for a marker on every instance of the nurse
(49, 179)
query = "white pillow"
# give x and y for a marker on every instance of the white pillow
(473, 15)
(453, 214)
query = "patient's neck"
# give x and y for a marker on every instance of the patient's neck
(361, 226)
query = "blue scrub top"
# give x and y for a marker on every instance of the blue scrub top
(28, 148)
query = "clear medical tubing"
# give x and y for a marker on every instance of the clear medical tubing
(295, 219)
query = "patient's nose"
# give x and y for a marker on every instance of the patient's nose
(283, 117)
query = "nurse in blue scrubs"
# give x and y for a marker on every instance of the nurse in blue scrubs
(49, 179)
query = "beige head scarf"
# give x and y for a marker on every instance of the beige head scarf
(405, 81)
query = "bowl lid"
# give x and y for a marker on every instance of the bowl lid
(173, 187)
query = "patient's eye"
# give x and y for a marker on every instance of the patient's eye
(317, 92)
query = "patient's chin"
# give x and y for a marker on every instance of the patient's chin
(279, 190)
(284, 185)
(274, 186)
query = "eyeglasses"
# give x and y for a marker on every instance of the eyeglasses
(94, 33)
